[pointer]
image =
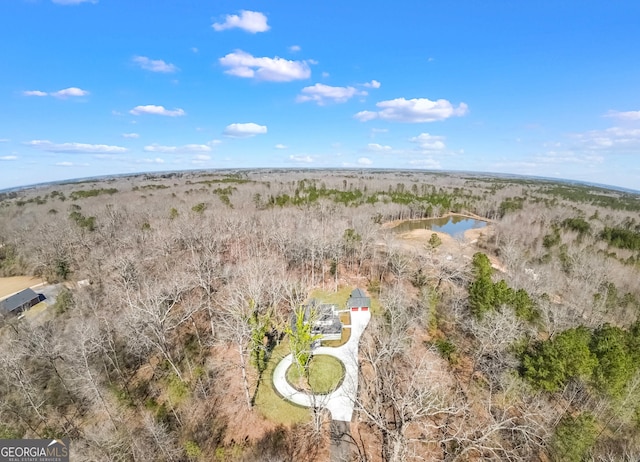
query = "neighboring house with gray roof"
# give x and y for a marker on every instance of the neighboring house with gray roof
(20, 302)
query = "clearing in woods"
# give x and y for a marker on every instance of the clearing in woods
(11, 285)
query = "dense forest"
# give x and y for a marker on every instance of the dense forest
(175, 291)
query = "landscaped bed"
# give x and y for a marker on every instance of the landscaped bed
(325, 375)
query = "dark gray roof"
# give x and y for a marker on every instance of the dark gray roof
(326, 320)
(358, 299)
(17, 300)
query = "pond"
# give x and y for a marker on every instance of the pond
(454, 225)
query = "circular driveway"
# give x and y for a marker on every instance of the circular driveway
(341, 401)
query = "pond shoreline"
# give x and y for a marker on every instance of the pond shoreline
(392, 224)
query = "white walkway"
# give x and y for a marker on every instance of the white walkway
(341, 401)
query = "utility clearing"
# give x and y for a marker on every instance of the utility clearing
(11, 285)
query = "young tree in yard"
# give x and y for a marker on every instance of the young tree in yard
(301, 339)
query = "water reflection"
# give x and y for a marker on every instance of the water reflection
(454, 225)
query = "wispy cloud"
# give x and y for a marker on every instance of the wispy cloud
(429, 142)
(35, 93)
(186, 149)
(626, 115)
(250, 21)
(281, 146)
(244, 130)
(200, 159)
(65, 93)
(154, 65)
(610, 139)
(375, 147)
(323, 94)
(364, 161)
(8, 157)
(416, 110)
(157, 110)
(156, 160)
(70, 164)
(302, 159)
(372, 84)
(245, 65)
(294, 48)
(130, 135)
(71, 91)
(75, 148)
(428, 163)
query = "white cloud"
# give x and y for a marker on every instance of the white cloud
(73, 148)
(372, 84)
(294, 48)
(280, 146)
(194, 49)
(154, 65)
(187, 148)
(375, 147)
(34, 93)
(71, 91)
(73, 2)
(244, 130)
(325, 75)
(250, 21)
(242, 64)
(322, 94)
(8, 157)
(130, 135)
(4, 140)
(628, 115)
(429, 142)
(301, 159)
(156, 160)
(414, 110)
(156, 110)
(364, 161)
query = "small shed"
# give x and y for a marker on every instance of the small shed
(20, 302)
(358, 301)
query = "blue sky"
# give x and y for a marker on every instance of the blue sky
(94, 87)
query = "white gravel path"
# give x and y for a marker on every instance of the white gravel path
(341, 401)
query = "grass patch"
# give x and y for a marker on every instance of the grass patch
(270, 404)
(346, 333)
(341, 296)
(325, 374)
(336, 298)
(35, 310)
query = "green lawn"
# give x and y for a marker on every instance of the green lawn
(270, 404)
(337, 298)
(325, 374)
(341, 296)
